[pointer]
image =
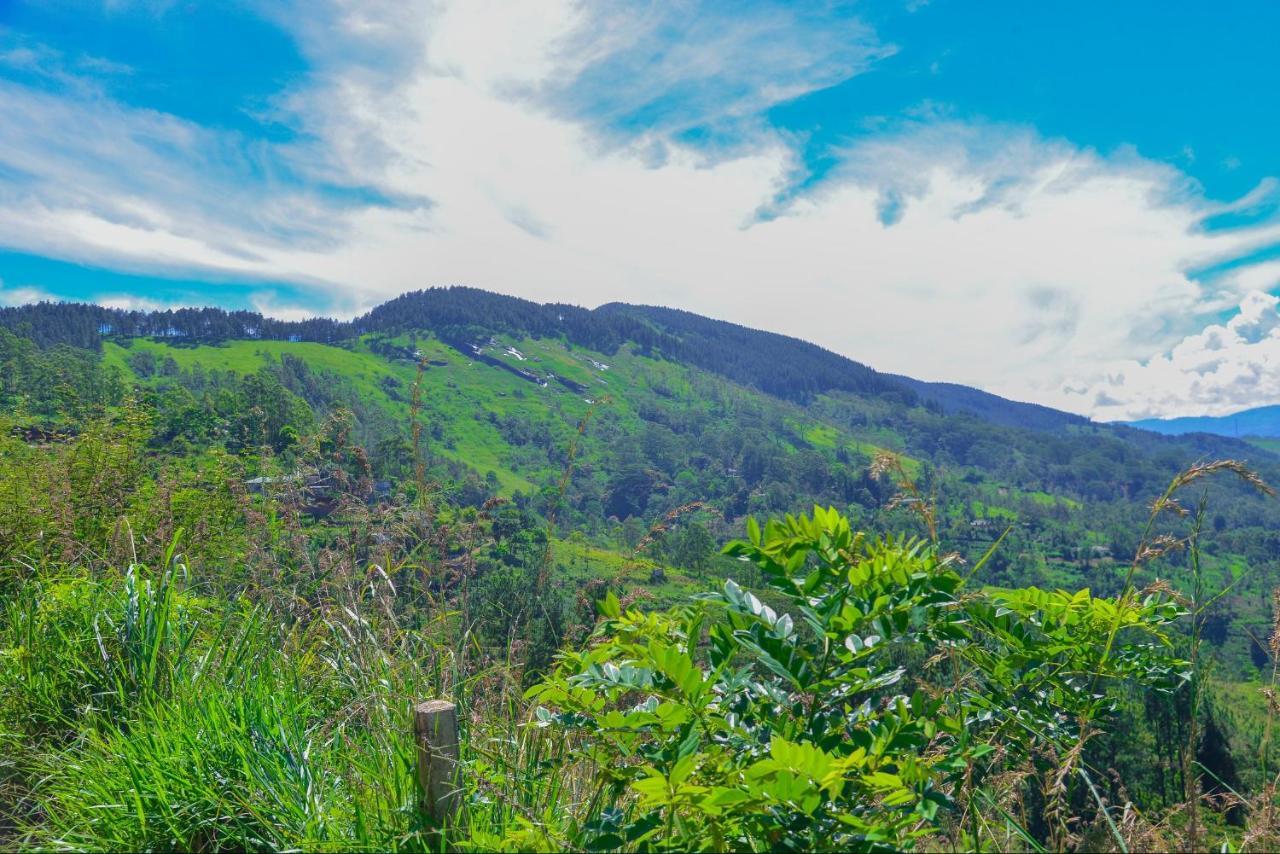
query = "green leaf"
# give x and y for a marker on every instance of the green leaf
(610, 606)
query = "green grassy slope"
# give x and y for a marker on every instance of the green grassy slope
(461, 393)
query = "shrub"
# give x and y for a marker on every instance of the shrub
(730, 723)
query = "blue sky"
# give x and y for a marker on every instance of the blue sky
(1070, 203)
(1196, 85)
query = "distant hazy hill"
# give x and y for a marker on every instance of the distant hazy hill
(952, 398)
(1263, 421)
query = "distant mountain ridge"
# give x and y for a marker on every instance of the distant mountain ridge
(953, 398)
(1262, 421)
(748, 411)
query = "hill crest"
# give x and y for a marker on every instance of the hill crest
(780, 365)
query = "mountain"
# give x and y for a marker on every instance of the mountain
(780, 365)
(1263, 422)
(783, 366)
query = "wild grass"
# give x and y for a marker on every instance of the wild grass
(152, 720)
(155, 720)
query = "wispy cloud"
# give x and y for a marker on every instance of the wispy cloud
(79, 73)
(667, 69)
(91, 178)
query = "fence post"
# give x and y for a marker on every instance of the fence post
(435, 726)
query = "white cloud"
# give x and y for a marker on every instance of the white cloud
(23, 295)
(510, 146)
(89, 179)
(1222, 369)
(268, 305)
(685, 64)
(133, 302)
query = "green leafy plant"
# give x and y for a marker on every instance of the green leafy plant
(787, 720)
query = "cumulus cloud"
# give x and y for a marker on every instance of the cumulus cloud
(268, 305)
(1222, 369)
(549, 151)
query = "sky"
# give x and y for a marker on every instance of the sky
(1076, 204)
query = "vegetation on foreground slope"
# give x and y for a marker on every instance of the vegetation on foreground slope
(866, 694)
(228, 569)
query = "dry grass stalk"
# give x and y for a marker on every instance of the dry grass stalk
(1158, 547)
(561, 490)
(663, 525)
(885, 464)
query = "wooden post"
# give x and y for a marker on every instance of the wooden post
(435, 725)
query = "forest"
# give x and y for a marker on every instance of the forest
(690, 586)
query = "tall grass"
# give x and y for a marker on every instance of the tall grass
(153, 719)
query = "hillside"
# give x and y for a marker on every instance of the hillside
(782, 366)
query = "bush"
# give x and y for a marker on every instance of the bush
(729, 723)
